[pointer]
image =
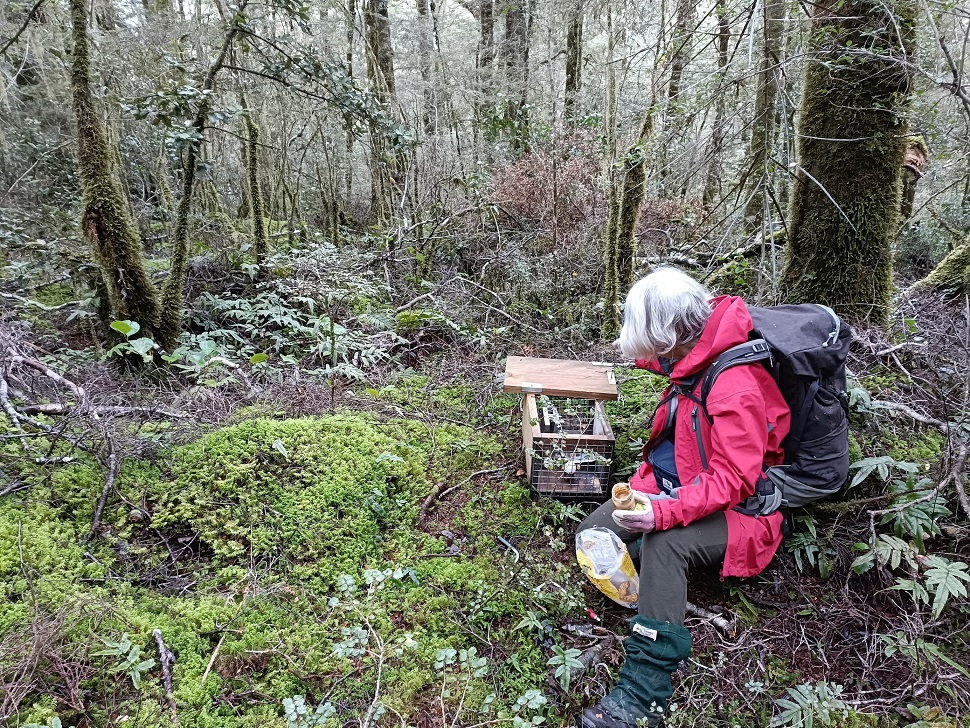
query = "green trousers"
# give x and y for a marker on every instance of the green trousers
(665, 557)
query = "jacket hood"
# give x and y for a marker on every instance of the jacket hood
(729, 325)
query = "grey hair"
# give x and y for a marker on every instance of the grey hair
(664, 310)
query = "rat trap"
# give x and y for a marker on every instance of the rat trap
(566, 435)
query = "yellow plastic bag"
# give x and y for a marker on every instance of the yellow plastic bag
(607, 563)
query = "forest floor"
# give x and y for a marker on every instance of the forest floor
(246, 539)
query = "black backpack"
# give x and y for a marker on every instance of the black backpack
(804, 348)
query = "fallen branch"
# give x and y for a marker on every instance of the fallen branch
(38, 304)
(167, 660)
(52, 408)
(590, 657)
(726, 626)
(910, 412)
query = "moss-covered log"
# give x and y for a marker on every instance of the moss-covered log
(845, 211)
(952, 274)
(107, 220)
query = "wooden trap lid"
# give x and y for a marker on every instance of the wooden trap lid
(560, 378)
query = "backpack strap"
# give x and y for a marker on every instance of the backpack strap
(749, 352)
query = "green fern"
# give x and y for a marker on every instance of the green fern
(806, 703)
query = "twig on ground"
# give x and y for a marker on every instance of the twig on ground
(38, 304)
(590, 656)
(239, 372)
(909, 412)
(52, 408)
(167, 660)
(212, 660)
(439, 490)
(114, 466)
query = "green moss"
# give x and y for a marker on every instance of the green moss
(325, 496)
(914, 447)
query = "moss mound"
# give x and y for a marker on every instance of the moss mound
(321, 495)
(279, 559)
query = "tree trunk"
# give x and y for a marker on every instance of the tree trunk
(845, 209)
(574, 59)
(425, 65)
(712, 184)
(634, 188)
(765, 111)
(253, 191)
(380, 69)
(107, 220)
(173, 294)
(515, 48)
(952, 274)
(486, 56)
(680, 45)
(349, 141)
(610, 326)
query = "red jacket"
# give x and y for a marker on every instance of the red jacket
(750, 421)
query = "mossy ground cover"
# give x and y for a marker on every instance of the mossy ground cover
(283, 558)
(288, 557)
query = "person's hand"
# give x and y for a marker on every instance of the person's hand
(638, 521)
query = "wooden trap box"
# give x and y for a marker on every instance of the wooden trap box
(566, 435)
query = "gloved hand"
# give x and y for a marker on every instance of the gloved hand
(641, 521)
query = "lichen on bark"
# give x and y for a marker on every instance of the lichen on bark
(852, 143)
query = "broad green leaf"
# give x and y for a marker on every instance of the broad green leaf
(142, 345)
(126, 328)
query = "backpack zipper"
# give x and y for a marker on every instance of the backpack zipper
(836, 325)
(695, 426)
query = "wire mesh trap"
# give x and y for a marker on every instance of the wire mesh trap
(566, 436)
(568, 447)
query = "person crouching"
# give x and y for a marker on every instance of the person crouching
(698, 466)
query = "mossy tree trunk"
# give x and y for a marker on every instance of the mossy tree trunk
(173, 294)
(634, 189)
(426, 48)
(680, 47)
(253, 190)
(765, 110)
(845, 209)
(107, 220)
(952, 274)
(515, 47)
(485, 13)
(574, 59)
(610, 325)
